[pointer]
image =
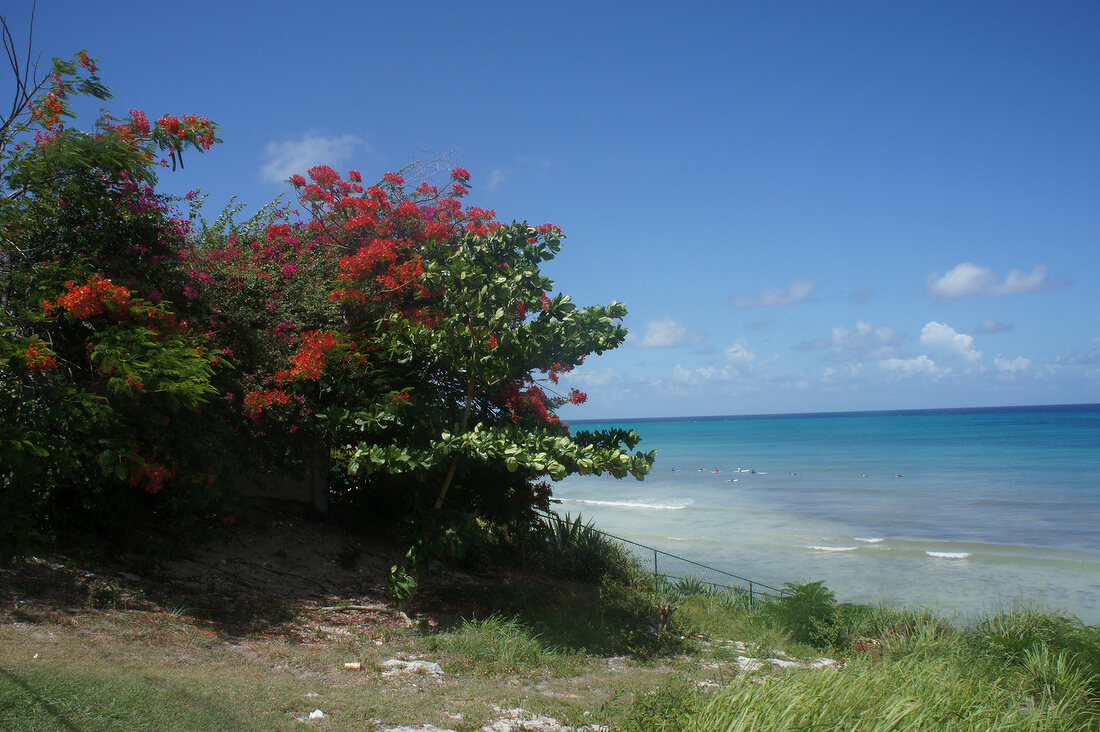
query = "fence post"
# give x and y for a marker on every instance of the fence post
(656, 581)
(750, 594)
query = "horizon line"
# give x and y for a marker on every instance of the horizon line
(1085, 406)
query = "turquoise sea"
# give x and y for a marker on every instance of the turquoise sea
(965, 511)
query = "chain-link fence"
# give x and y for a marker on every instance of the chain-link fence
(673, 571)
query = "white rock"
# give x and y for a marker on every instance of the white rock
(396, 666)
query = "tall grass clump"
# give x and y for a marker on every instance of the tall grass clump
(919, 692)
(1008, 637)
(571, 548)
(497, 645)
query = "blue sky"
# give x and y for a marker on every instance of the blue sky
(806, 206)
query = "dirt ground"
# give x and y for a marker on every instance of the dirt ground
(265, 575)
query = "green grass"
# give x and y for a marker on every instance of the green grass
(499, 645)
(49, 696)
(1021, 669)
(922, 691)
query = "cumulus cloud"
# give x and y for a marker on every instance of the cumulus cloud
(694, 377)
(739, 354)
(864, 342)
(847, 372)
(586, 379)
(1011, 366)
(992, 325)
(284, 159)
(945, 339)
(738, 363)
(666, 332)
(910, 366)
(777, 296)
(968, 278)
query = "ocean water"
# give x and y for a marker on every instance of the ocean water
(964, 511)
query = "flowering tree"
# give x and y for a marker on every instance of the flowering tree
(98, 371)
(435, 376)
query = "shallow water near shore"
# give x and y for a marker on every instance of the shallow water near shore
(963, 511)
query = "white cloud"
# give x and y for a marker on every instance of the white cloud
(992, 325)
(666, 332)
(910, 366)
(864, 342)
(584, 378)
(943, 338)
(777, 296)
(842, 373)
(1011, 366)
(681, 375)
(968, 278)
(739, 354)
(738, 366)
(284, 159)
(1017, 282)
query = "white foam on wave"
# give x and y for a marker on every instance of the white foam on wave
(629, 504)
(948, 555)
(872, 540)
(832, 548)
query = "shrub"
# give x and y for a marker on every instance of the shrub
(577, 550)
(806, 611)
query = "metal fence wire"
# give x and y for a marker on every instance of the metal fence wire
(671, 570)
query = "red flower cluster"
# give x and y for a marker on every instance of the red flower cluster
(323, 176)
(527, 401)
(37, 359)
(255, 401)
(190, 127)
(278, 231)
(309, 361)
(88, 62)
(96, 297)
(152, 474)
(363, 262)
(49, 109)
(556, 370)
